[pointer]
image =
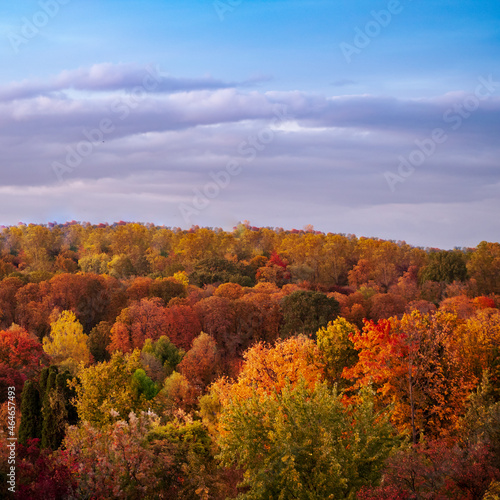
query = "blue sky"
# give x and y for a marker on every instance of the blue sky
(317, 107)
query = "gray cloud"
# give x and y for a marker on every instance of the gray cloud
(324, 165)
(107, 77)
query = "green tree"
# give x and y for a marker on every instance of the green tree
(120, 267)
(445, 267)
(337, 349)
(306, 312)
(219, 270)
(143, 385)
(31, 422)
(192, 472)
(54, 413)
(44, 377)
(99, 339)
(166, 289)
(167, 354)
(96, 264)
(304, 444)
(64, 386)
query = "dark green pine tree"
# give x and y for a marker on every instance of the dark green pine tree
(68, 393)
(53, 412)
(31, 418)
(44, 375)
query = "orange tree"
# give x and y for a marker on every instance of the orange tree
(413, 364)
(268, 368)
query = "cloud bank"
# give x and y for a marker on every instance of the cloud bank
(147, 143)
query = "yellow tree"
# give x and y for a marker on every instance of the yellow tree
(337, 349)
(67, 344)
(478, 343)
(338, 249)
(386, 257)
(39, 242)
(130, 239)
(265, 372)
(306, 253)
(201, 244)
(484, 267)
(181, 277)
(106, 388)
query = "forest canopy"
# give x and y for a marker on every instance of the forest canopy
(155, 362)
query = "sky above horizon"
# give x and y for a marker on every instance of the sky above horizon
(375, 118)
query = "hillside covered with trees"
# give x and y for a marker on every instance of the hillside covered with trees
(261, 363)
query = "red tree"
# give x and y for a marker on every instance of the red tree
(21, 357)
(142, 320)
(183, 325)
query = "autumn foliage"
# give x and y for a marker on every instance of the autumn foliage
(156, 362)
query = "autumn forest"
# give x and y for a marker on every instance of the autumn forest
(147, 362)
